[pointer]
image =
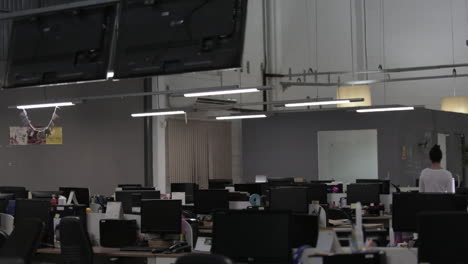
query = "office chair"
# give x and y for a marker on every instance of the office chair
(23, 242)
(75, 245)
(203, 259)
(3, 238)
(7, 223)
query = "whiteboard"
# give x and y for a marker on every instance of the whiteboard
(347, 155)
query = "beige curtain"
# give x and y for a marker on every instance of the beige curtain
(198, 151)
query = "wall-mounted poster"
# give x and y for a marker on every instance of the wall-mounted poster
(28, 136)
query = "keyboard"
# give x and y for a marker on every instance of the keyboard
(143, 249)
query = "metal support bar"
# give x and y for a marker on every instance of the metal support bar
(289, 84)
(148, 133)
(406, 69)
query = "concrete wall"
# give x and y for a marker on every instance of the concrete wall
(286, 145)
(103, 145)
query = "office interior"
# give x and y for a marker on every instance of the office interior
(236, 131)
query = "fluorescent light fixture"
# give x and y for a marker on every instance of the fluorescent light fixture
(110, 74)
(159, 113)
(240, 117)
(361, 82)
(33, 106)
(222, 92)
(333, 102)
(386, 109)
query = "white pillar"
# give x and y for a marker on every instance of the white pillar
(159, 138)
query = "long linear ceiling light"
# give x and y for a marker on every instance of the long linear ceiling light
(159, 113)
(386, 109)
(47, 105)
(223, 91)
(328, 102)
(234, 117)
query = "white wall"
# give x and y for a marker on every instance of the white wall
(318, 34)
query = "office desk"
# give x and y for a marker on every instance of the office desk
(116, 253)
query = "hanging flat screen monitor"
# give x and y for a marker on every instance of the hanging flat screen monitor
(177, 36)
(68, 45)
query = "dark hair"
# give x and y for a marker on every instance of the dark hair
(435, 154)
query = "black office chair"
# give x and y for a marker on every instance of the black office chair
(75, 245)
(3, 238)
(23, 242)
(203, 259)
(337, 214)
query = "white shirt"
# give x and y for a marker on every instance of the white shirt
(436, 181)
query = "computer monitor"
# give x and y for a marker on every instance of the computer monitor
(39, 209)
(442, 237)
(384, 184)
(130, 199)
(406, 207)
(250, 188)
(280, 181)
(365, 193)
(253, 236)
(168, 37)
(294, 199)
(215, 184)
(49, 47)
(129, 185)
(134, 188)
(45, 195)
(318, 192)
(7, 196)
(82, 194)
(187, 188)
(161, 216)
(19, 192)
(208, 201)
(321, 181)
(304, 230)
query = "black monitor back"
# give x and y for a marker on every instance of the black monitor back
(216, 184)
(187, 188)
(366, 193)
(139, 188)
(131, 199)
(250, 188)
(161, 216)
(7, 196)
(19, 192)
(294, 199)
(384, 184)
(318, 192)
(129, 185)
(82, 194)
(33, 209)
(442, 237)
(257, 236)
(406, 207)
(176, 36)
(208, 201)
(45, 195)
(280, 181)
(49, 47)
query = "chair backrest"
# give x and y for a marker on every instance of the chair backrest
(75, 245)
(203, 259)
(7, 223)
(23, 242)
(3, 238)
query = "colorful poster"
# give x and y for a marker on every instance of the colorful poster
(27, 136)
